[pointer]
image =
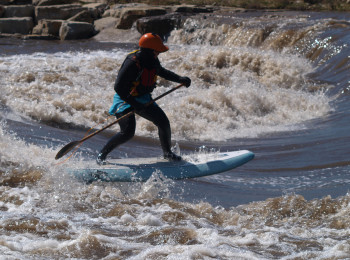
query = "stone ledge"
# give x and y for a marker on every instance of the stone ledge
(18, 11)
(21, 25)
(76, 30)
(57, 12)
(45, 18)
(48, 28)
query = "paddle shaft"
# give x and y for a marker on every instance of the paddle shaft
(71, 145)
(130, 113)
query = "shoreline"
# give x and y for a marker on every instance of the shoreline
(115, 21)
(112, 34)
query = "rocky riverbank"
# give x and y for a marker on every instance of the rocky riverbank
(71, 20)
(84, 19)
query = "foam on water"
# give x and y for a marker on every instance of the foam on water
(255, 91)
(61, 87)
(20, 162)
(54, 216)
(97, 222)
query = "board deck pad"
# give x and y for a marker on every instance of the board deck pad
(141, 169)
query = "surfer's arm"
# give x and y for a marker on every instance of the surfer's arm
(172, 76)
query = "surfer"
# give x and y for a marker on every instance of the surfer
(134, 84)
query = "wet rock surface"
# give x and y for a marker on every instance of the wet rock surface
(68, 19)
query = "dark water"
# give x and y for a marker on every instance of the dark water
(274, 83)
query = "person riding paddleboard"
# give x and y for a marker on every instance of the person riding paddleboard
(134, 84)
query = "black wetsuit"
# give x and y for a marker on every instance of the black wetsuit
(141, 67)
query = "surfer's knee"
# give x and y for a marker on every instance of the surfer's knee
(127, 128)
(128, 133)
(162, 122)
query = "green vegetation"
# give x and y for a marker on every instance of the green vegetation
(312, 5)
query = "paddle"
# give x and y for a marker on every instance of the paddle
(71, 145)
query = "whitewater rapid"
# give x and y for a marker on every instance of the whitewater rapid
(275, 83)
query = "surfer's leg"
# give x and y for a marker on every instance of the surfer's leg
(157, 116)
(127, 131)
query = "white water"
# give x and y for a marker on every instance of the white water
(238, 92)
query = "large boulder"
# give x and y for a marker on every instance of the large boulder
(76, 30)
(161, 25)
(86, 16)
(19, 11)
(112, 13)
(106, 22)
(48, 28)
(130, 15)
(98, 7)
(57, 12)
(91, 13)
(21, 25)
(116, 9)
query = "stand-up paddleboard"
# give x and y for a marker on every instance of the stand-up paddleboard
(141, 169)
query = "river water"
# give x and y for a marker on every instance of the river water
(275, 83)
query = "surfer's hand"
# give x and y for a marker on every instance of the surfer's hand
(186, 81)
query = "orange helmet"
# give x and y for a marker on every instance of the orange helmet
(152, 41)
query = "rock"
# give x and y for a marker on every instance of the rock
(94, 1)
(116, 10)
(76, 30)
(130, 15)
(112, 13)
(48, 28)
(86, 16)
(106, 22)
(192, 9)
(92, 13)
(2, 11)
(96, 6)
(15, 2)
(19, 11)
(52, 2)
(39, 37)
(161, 25)
(81, 19)
(57, 12)
(21, 25)
(111, 34)
(21, 2)
(6, 2)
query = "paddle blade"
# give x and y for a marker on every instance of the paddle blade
(66, 149)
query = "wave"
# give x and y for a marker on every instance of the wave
(255, 91)
(322, 38)
(140, 222)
